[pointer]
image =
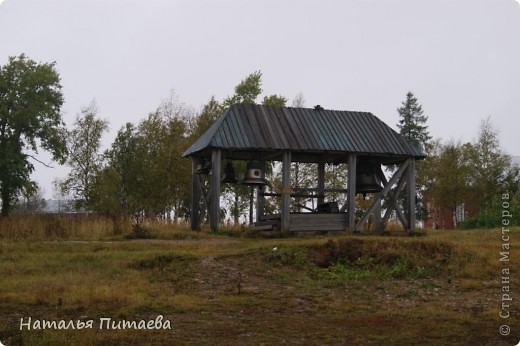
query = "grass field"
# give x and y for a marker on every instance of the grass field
(441, 288)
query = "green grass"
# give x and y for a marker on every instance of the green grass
(439, 289)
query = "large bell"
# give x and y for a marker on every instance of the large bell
(229, 174)
(254, 174)
(366, 177)
(202, 166)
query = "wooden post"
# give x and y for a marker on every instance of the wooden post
(251, 203)
(351, 191)
(260, 202)
(321, 183)
(286, 190)
(195, 197)
(214, 191)
(392, 202)
(411, 195)
(386, 191)
(380, 227)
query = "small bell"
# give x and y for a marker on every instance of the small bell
(366, 177)
(254, 174)
(229, 174)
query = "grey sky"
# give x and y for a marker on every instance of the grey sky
(461, 58)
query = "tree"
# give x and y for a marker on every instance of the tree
(299, 100)
(412, 122)
(85, 160)
(452, 171)
(145, 175)
(492, 172)
(122, 170)
(475, 175)
(246, 91)
(412, 125)
(274, 100)
(30, 118)
(199, 124)
(106, 196)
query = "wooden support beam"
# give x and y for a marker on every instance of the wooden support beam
(321, 183)
(410, 189)
(311, 189)
(251, 203)
(214, 190)
(286, 190)
(382, 194)
(260, 202)
(260, 198)
(351, 191)
(392, 201)
(195, 197)
(392, 204)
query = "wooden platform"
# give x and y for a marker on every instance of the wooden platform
(305, 222)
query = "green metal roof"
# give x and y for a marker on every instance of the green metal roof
(258, 128)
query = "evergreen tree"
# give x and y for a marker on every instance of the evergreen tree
(412, 125)
(412, 122)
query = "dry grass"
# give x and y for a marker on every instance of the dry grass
(62, 227)
(439, 289)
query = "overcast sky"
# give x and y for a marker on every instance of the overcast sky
(461, 58)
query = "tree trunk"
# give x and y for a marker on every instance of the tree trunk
(6, 205)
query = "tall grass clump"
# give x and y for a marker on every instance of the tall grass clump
(92, 227)
(56, 227)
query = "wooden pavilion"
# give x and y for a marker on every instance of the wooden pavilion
(257, 133)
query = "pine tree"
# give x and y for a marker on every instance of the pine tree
(412, 122)
(412, 125)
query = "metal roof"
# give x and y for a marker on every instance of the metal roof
(258, 128)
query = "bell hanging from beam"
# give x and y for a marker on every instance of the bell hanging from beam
(254, 174)
(366, 177)
(202, 166)
(229, 174)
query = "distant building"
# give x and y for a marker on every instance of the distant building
(443, 218)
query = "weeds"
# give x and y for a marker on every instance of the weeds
(157, 262)
(342, 272)
(289, 256)
(139, 231)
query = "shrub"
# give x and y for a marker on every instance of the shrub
(493, 216)
(139, 231)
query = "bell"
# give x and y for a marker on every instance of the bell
(202, 166)
(254, 174)
(366, 177)
(229, 174)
